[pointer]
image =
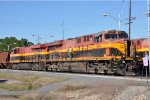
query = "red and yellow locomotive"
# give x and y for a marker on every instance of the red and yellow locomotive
(103, 52)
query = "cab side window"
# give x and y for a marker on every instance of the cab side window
(98, 38)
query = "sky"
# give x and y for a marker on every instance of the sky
(44, 19)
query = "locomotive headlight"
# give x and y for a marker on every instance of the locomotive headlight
(123, 61)
(123, 56)
(137, 56)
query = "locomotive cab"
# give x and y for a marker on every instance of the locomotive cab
(110, 35)
(114, 42)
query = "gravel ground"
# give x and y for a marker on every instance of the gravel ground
(134, 93)
(133, 87)
(105, 92)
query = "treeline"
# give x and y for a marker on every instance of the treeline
(8, 43)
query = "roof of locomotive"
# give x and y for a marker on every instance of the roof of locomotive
(99, 33)
(108, 31)
(140, 39)
(59, 42)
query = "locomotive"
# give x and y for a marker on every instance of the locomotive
(107, 52)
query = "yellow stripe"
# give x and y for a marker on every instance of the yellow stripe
(119, 46)
(14, 61)
(28, 54)
(142, 50)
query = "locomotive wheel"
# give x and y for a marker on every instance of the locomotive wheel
(35, 67)
(105, 72)
(136, 69)
(49, 67)
(15, 67)
(69, 68)
(55, 67)
(122, 70)
(95, 70)
(32, 68)
(45, 68)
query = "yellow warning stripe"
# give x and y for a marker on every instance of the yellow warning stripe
(142, 50)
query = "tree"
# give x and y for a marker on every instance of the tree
(12, 42)
(25, 42)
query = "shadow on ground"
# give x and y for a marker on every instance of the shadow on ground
(3, 80)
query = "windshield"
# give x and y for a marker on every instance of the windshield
(121, 35)
(110, 36)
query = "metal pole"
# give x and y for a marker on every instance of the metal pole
(8, 47)
(148, 9)
(63, 29)
(129, 19)
(38, 39)
(119, 24)
(146, 73)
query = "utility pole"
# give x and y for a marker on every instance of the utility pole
(38, 39)
(129, 19)
(8, 46)
(148, 15)
(119, 22)
(63, 29)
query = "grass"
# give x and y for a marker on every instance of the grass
(72, 87)
(36, 96)
(49, 96)
(26, 82)
(13, 87)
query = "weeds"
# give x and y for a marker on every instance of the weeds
(36, 96)
(26, 82)
(72, 87)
